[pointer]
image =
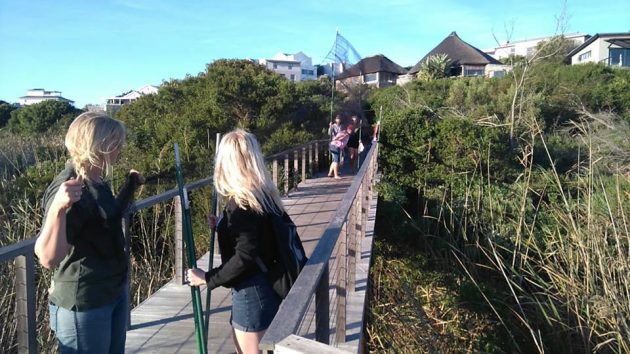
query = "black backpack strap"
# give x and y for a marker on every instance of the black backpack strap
(261, 265)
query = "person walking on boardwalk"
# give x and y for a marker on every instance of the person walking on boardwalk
(82, 240)
(245, 234)
(335, 128)
(336, 147)
(353, 142)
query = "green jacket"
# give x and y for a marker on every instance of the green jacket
(94, 272)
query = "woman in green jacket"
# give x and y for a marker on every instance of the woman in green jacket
(82, 240)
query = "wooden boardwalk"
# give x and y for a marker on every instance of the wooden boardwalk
(164, 322)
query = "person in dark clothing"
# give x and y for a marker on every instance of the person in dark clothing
(245, 235)
(82, 240)
(353, 142)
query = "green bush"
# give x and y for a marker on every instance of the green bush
(42, 117)
(526, 220)
(5, 113)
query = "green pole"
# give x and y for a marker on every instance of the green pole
(332, 91)
(332, 94)
(192, 259)
(214, 207)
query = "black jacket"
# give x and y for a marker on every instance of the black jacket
(243, 235)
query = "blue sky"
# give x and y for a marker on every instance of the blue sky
(93, 49)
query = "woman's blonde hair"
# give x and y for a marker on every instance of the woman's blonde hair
(241, 175)
(90, 140)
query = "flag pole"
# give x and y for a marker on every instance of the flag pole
(332, 91)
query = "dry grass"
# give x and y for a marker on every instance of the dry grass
(548, 255)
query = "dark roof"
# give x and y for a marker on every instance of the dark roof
(459, 52)
(369, 65)
(594, 38)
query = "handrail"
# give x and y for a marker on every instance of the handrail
(164, 196)
(313, 280)
(16, 249)
(288, 151)
(23, 252)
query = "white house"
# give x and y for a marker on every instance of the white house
(526, 47)
(288, 68)
(39, 95)
(307, 70)
(295, 67)
(113, 104)
(608, 48)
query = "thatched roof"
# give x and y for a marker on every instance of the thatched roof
(459, 52)
(369, 65)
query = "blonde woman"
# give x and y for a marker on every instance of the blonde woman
(244, 234)
(82, 240)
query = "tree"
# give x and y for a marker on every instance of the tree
(5, 112)
(555, 49)
(229, 94)
(435, 67)
(41, 117)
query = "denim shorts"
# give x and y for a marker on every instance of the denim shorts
(334, 152)
(254, 304)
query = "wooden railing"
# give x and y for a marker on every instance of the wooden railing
(326, 269)
(22, 255)
(312, 158)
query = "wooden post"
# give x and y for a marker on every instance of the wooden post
(296, 156)
(322, 305)
(25, 303)
(286, 174)
(274, 173)
(370, 178)
(317, 156)
(352, 243)
(310, 160)
(342, 284)
(365, 203)
(126, 226)
(179, 242)
(304, 165)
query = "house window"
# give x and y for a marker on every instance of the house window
(584, 56)
(619, 56)
(275, 66)
(474, 70)
(530, 51)
(292, 77)
(512, 50)
(290, 66)
(369, 77)
(307, 72)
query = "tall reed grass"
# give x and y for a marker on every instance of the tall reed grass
(548, 252)
(559, 242)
